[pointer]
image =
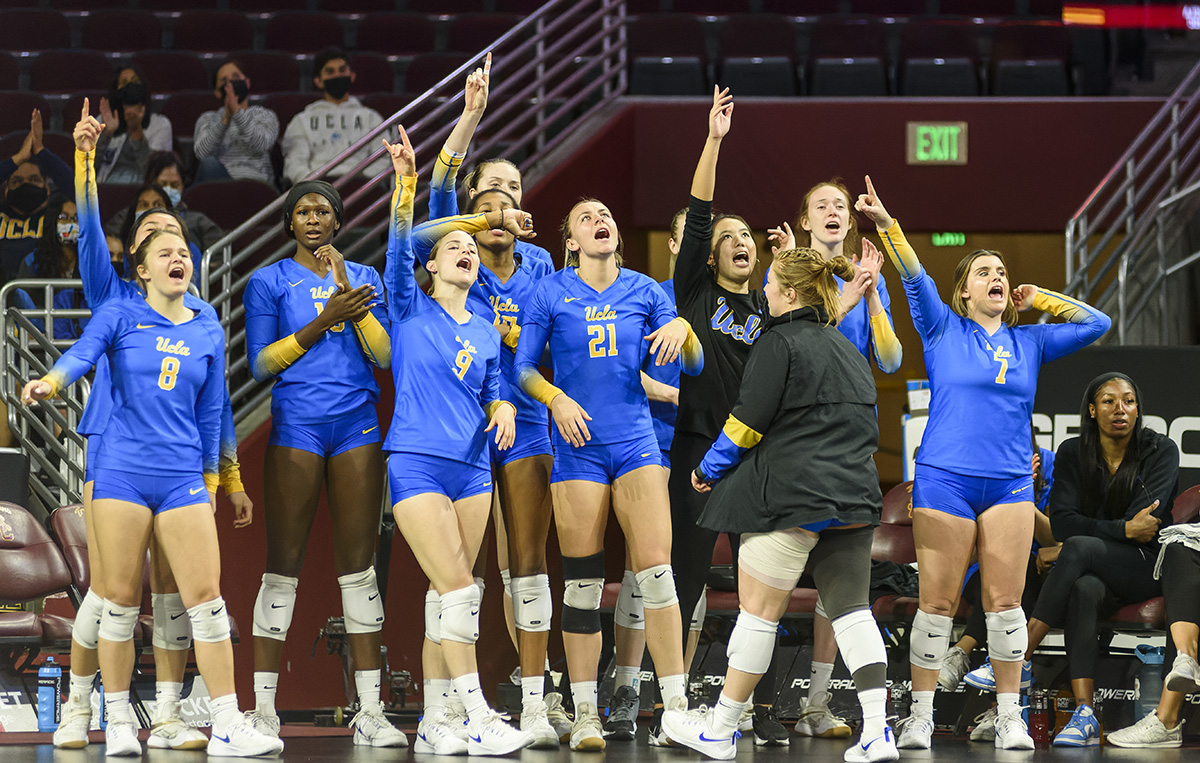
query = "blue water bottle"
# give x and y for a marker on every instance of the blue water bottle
(49, 695)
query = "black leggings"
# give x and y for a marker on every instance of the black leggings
(1092, 576)
(976, 626)
(1181, 590)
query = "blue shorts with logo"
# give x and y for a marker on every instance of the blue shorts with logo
(603, 463)
(330, 438)
(533, 439)
(964, 496)
(158, 493)
(412, 474)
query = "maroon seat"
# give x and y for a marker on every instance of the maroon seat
(81, 5)
(443, 7)
(288, 105)
(802, 7)
(897, 505)
(303, 31)
(888, 7)
(672, 35)
(31, 567)
(230, 202)
(476, 32)
(16, 106)
(56, 631)
(19, 629)
(396, 34)
(10, 72)
(270, 71)
(426, 71)
(173, 70)
(1187, 506)
(373, 73)
(122, 29)
(69, 71)
(356, 6)
(758, 35)
(1150, 613)
(893, 543)
(389, 103)
(69, 529)
(184, 108)
(209, 31)
(977, 8)
(177, 5)
(266, 6)
(526, 7)
(715, 7)
(34, 29)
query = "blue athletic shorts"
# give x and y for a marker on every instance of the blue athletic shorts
(412, 474)
(964, 496)
(158, 493)
(89, 458)
(603, 463)
(533, 439)
(330, 438)
(666, 458)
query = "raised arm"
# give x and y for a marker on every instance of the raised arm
(1085, 324)
(884, 342)
(691, 267)
(399, 280)
(425, 235)
(442, 199)
(100, 280)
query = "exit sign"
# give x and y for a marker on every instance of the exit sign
(936, 143)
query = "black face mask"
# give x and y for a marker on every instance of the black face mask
(240, 89)
(337, 87)
(27, 197)
(119, 266)
(132, 94)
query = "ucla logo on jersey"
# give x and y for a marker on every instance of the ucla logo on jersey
(319, 293)
(596, 314)
(172, 348)
(505, 306)
(723, 320)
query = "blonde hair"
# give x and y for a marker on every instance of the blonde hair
(138, 256)
(963, 271)
(806, 271)
(571, 259)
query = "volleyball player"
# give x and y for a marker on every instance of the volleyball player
(973, 487)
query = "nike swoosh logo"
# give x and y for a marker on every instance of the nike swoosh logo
(477, 740)
(1009, 633)
(472, 691)
(636, 595)
(658, 575)
(145, 327)
(645, 455)
(278, 606)
(197, 490)
(570, 299)
(297, 283)
(526, 601)
(372, 429)
(474, 612)
(1019, 489)
(224, 739)
(217, 611)
(176, 617)
(373, 597)
(706, 739)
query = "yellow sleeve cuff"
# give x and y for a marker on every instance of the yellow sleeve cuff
(376, 344)
(512, 337)
(543, 391)
(493, 406)
(278, 356)
(1060, 306)
(212, 482)
(887, 344)
(740, 434)
(231, 478)
(899, 251)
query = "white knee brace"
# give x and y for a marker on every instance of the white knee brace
(433, 617)
(751, 644)
(172, 628)
(929, 640)
(361, 606)
(657, 584)
(460, 615)
(1008, 635)
(210, 621)
(274, 606)
(86, 629)
(505, 580)
(858, 640)
(532, 607)
(117, 623)
(699, 611)
(629, 612)
(482, 586)
(583, 587)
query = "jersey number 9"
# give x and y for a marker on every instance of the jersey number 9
(462, 361)
(596, 343)
(170, 370)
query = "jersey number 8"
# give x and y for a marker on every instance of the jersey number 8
(170, 370)
(596, 343)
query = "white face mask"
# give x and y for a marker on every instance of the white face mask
(173, 195)
(68, 233)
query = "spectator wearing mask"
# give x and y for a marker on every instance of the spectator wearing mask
(150, 197)
(331, 125)
(234, 141)
(23, 182)
(166, 172)
(131, 131)
(57, 256)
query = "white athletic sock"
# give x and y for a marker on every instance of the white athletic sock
(532, 689)
(454, 702)
(265, 684)
(167, 691)
(468, 690)
(116, 705)
(874, 708)
(584, 691)
(1008, 704)
(81, 689)
(435, 696)
(672, 687)
(368, 683)
(818, 678)
(922, 703)
(726, 715)
(627, 675)
(224, 712)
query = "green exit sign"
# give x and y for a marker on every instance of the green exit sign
(936, 143)
(949, 239)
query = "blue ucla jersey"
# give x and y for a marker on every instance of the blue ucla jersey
(335, 375)
(447, 374)
(597, 346)
(168, 388)
(664, 413)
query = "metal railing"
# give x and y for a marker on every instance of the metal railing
(1129, 223)
(46, 431)
(556, 68)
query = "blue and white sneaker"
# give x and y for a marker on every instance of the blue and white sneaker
(881, 748)
(693, 728)
(984, 679)
(1083, 730)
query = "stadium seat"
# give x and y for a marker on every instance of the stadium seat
(303, 32)
(71, 106)
(230, 202)
(115, 196)
(17, 106)
(523, 7)
(758, 55)
(34, 29)
(1187, 506)
(938, 57)
(10, 72)
(270, 71)
(121, 30)
(162, 6)
(372, 73)
(206, 31)
(802, 7)
(426, 71)
(847, 57)
(184, 108)
(267, 6)
(476, 32)
(897, 505)
(396, 34)
(1030, 58)
(356, 6)
(31, 567)
(389, 103)
(668, 55)
(68, 528)
(977, 8)
(1048, 9)
(171, 71)
(288, 105)
(77, 5)
(444, 7)
(715, 7)
(888, 7)
(69, 71)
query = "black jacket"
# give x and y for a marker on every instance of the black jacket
(810, 394)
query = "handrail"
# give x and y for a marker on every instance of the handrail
(553, 70)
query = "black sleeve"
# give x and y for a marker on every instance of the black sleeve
(691, 267)
(1067, 517)
(1159, 476)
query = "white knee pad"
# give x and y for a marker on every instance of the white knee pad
(86, 629)
(460, 615)
(699, 611)
(210, 621)
(172, 628)
(117, 623)
(658, 587)
(505, 580)
(433, 617)
(532, 607)
(274, 606)
(362, 608)
(776, 558)
(1007, 635)
(629, 612)
(929, 640)
(751, 644)
(583, 587)
(858, 640)
(481, 586)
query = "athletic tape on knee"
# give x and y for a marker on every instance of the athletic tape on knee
(210, 621)
(751, 644)
(929, 640)
(506, 581)
(172, 628)
(433, 617)
(700, 611)
(460, 615)
(629, 612)
(274, 606)
(86, 629)
(1007, 635)
(117, 623)
(362, 607)
(583, 579)
(658, 587)
(532, 606)
(776, 558)
(858, 640)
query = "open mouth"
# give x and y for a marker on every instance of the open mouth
(1120, 423)
(741, 257)
(177, 273)
(602, 234)
(996, 292)
(464, 264)
(833, 226)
